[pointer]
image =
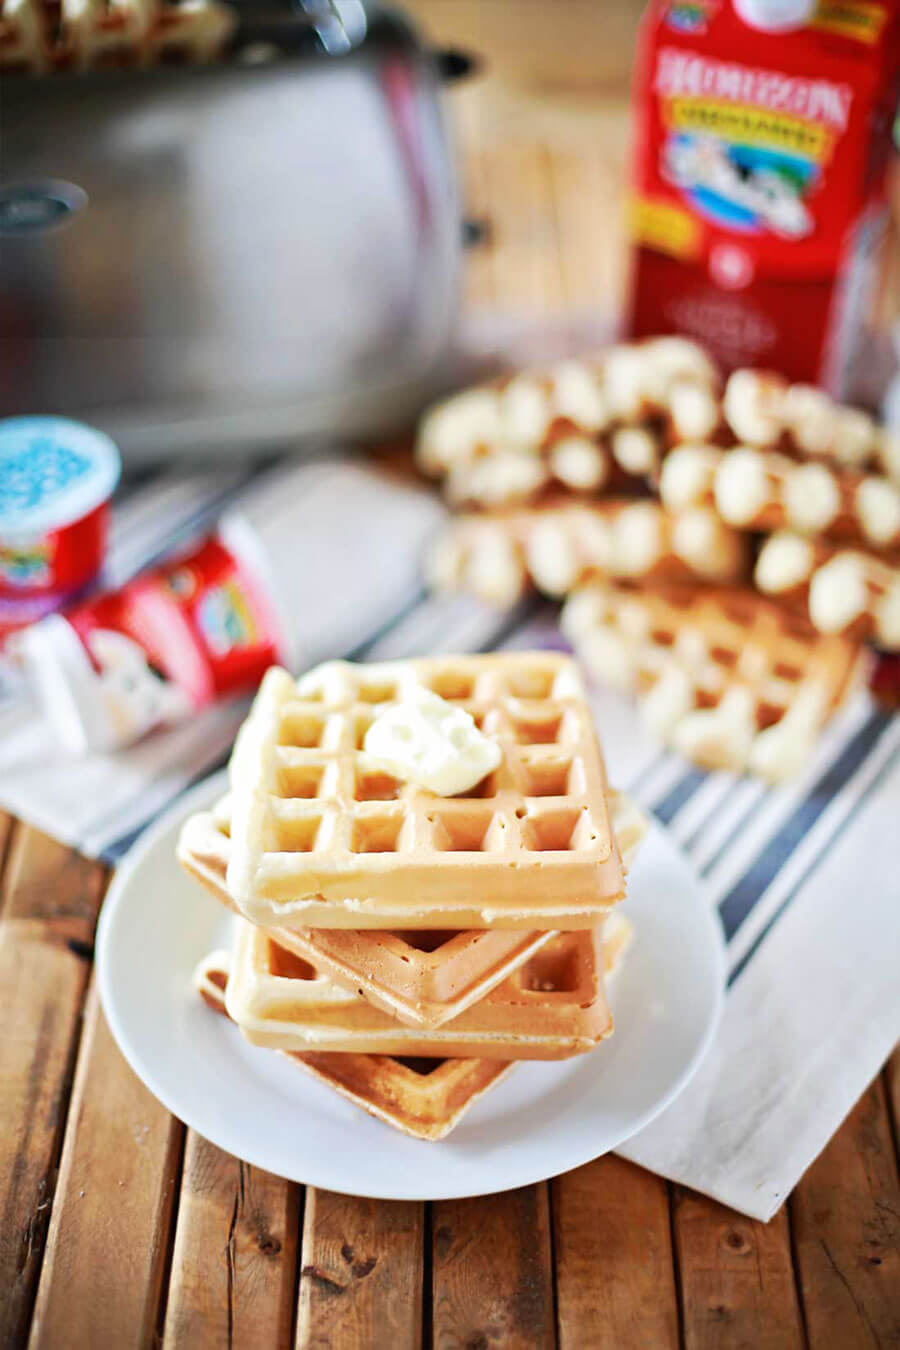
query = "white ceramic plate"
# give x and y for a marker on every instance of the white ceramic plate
(543, 1119)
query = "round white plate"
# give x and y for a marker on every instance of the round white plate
(543, 1119)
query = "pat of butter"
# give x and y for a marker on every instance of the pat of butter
(428, 741)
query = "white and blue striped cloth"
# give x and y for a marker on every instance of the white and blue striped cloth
(806, 877)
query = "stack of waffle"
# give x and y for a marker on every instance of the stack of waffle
(403, 947)
(725, 549)
(37, 36)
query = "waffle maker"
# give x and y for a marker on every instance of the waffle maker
(254, 252)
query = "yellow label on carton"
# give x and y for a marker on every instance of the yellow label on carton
(660, 225)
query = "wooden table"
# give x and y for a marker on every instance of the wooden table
(121, 1228)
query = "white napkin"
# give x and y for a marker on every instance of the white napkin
(807, 882)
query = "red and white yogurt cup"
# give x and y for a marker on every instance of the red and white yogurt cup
(56, 479)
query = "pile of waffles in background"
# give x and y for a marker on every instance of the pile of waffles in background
(407, 948)
(725, 549)
(37, 36)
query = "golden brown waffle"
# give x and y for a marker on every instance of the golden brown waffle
(726, 677)
(320, 840)
(588, 425)
(559, 544)
(424, 978)
(425, 1098)
(840, 590)
(765, 491)
(764, 410)
(552, 1007)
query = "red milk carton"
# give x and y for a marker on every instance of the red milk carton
(758, 208)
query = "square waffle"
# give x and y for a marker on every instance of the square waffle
(726, 677)
(422, 977)
(551, 1007)
(318, 839)
(425, 1098)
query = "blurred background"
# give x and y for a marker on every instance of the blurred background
(228, 227)
(543, 131)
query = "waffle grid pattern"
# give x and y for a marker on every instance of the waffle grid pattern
(727, 678)
(564, 968)
(550, 1007)
(311, 816)
(557, 545)
(777, 493)
(763, 409)
(839, 590)
(727, 638)
(424, 1097)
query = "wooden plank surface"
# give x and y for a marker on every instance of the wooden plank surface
(736, 1278)
(50, 903)
(615, 1276)
(577, 47)
(6, 828)
(892, 1090)
(234, 1262)
(492, 1271)
(846, 1219)
(361, 1275)
(107, 1250)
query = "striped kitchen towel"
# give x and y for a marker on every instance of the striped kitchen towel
(805, 876)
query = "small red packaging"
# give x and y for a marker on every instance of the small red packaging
(198, 628)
